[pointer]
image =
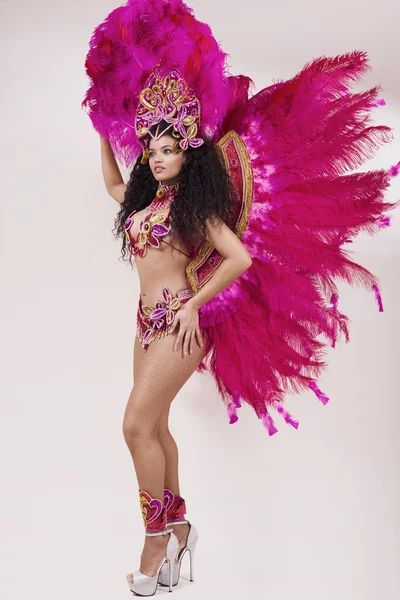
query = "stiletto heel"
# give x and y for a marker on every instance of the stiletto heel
(191, 547)
(176, 509)
(191, 565)
(170, 573)
(155, 517)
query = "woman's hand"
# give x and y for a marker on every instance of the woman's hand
(189, 329)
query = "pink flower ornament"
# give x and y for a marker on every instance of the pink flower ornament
(152, 228)
(163, 314)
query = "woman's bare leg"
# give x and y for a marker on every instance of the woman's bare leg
(171, 480)
(159, 378)
(168, 444)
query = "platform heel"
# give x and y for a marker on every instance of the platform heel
(155, 520)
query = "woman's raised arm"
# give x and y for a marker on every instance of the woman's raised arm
(112, 175)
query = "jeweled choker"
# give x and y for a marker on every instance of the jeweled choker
(164, 195)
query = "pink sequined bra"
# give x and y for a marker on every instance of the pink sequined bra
(155, 226)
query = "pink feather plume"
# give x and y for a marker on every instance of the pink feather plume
(128, 45)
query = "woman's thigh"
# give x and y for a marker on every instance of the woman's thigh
(159, 374)
(138, 357)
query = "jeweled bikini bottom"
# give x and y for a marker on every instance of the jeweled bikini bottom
(155, 322)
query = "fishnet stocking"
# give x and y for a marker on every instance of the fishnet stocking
(166, 440)
(170, 449)
(159, 374)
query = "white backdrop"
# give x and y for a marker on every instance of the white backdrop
(311, 514)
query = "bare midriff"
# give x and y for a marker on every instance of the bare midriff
(160, 260)
(160, 266)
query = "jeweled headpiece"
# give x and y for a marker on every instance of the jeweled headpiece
(168, 98)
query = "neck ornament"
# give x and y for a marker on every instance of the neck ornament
(164, 196)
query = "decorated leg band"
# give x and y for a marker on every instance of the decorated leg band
(175, 507)
(153, 511)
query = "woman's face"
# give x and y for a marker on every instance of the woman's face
(165, 163)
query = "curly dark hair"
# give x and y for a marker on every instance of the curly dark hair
(204, 192)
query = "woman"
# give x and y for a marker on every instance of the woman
(243, 275)
(169, 206)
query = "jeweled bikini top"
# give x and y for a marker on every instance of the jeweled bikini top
(155, 226)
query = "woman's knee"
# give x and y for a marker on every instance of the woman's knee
(165, 437)
(137, 427)
(162, 427)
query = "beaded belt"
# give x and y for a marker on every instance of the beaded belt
(155, 322)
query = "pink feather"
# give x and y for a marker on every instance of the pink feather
(266, 331)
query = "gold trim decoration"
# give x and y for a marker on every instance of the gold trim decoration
(145, 156)
(247, 175)
(169, 98)
(177, 148)
(203, 253)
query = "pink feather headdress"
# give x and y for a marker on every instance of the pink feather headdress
(134, 45)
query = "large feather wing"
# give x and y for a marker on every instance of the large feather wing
(304, 137)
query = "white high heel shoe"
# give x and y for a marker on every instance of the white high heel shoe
(146, 585)
(165, 574)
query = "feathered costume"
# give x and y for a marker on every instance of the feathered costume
(291, 150)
